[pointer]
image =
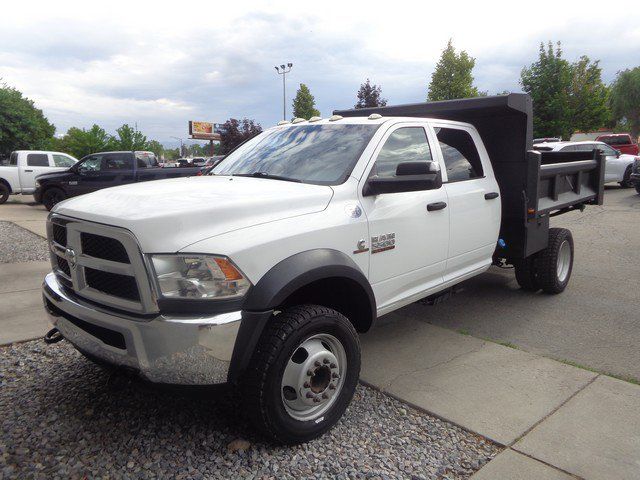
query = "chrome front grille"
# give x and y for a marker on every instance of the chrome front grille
(100, 263)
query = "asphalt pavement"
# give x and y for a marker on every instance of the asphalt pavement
(595, 323)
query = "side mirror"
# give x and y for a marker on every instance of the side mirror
(618, 153)
(410, 177)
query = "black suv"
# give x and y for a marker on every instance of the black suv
(102, 170)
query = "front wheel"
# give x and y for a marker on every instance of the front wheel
(303, 373)
(638, 187)
(626, 179)
(554, 264)
(51, 197)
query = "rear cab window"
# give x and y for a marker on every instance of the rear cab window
(460, 154)
(117, 161)
(37, 160)
(146, 160)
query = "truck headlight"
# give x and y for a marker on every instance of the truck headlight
(198, 277)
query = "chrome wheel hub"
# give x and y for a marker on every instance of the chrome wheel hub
(313, 377)
(564, 261)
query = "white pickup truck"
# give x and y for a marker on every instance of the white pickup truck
(262, 273)
(19, 175)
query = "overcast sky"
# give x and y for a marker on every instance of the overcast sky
(161, 64)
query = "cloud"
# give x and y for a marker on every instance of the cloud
(161, 65)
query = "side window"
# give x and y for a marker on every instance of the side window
(38, 160)
(459, 153)
(117, 161)
(13, 160)
(584, 147)
(570, 148)
(407, 144)
(606, 149)
(91, 164)
(62, 160)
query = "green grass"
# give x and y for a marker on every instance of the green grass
(624, 378)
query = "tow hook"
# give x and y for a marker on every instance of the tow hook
(53, 336)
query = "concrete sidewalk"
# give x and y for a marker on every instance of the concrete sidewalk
(557, 421)
(22, 316)
(22, 211)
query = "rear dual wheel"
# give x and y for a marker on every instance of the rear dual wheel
(550, 269)
(303, 374)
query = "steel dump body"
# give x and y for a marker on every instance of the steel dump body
(533, 185)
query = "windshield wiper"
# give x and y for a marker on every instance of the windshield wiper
(266, 175)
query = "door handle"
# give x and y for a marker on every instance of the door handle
(491, 195)
(28, 171)
(436, 206)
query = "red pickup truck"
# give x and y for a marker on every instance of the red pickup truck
(621, 142)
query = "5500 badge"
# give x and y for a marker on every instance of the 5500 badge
(382, 243)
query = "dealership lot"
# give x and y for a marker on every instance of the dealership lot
(551, 420)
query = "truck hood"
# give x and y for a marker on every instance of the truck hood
(168, 215)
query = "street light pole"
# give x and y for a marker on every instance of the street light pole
(283, 70)
(178, 138)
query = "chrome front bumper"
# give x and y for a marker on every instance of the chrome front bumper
(174, 350)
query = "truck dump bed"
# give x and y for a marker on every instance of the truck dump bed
(533, 185)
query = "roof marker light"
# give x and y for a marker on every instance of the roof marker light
(298, 120)
(315, 119)
(283, 122)
(375, 116)
(334, 118)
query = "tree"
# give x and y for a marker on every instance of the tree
(587, 96)
(234, 132)
(304, 105)
(80, 142)
(370, 96)
(129, 139)
(548, 81)
(155, 147)
(452, 77)
(625, 99)
(22, 125)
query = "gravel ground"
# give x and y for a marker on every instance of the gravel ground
(20, 245)
(63, 417)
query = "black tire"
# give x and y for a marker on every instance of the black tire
(526, 275)
(261, 384)
(4, 193)
(626, 179)
(52, 196)
(638, 187)
(547, 262)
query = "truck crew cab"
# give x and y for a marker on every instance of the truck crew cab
(18, 175)
(101, 170)
(300, 239)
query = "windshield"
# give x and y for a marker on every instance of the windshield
(321, 154)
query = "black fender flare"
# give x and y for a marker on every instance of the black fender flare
(280, 282)
(301, 269)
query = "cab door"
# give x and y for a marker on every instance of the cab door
(408, 231)
(474, 200)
